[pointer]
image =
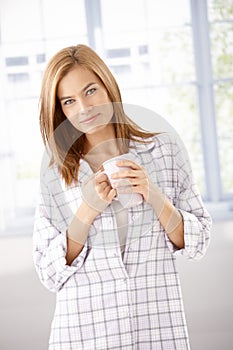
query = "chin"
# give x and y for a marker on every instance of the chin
(96, 128)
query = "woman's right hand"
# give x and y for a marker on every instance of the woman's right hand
(97, 192)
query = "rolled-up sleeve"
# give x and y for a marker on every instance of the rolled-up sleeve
(197, 221)
(50, 245)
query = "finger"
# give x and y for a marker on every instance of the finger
(101, 187)
(112, 193)
(101, 177)
(131, 189)
(127, 162)
(129, 173)
(108, 194)
(130, 182)
(123, 183)
(123, 174)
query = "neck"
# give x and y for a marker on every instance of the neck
(100, 138)
(101, 147)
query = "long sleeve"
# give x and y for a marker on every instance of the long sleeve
(197, 221)
(49, 244)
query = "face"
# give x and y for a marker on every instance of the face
(84, 100)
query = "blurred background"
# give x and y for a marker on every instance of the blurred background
(174, 57)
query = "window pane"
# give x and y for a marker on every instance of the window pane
(20, 20)
(120, 52)
(17, 61)
(167, 58)
(118, 12)
(31, 32)
(157, 43)
(178, 106)
(224, 113)
(171, 55)
(40, 58)
(222, 49)
(167, 13)
(153, 60)
(27, 147)
(18, 77)
(140, 14)
(64, 20)
(220, 10)
(181, 112)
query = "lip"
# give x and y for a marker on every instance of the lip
(89, 120)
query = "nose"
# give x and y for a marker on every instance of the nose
(84, 107)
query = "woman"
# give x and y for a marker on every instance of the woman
(113, 268)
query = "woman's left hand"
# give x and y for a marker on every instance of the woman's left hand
(133, 180)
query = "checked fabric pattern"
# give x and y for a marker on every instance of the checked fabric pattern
(106, 301)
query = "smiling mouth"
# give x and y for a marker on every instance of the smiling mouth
(89, 120)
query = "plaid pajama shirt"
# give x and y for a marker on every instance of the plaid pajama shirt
(104, 302)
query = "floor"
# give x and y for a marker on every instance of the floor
(26, 307)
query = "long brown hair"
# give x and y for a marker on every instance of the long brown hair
(64, 140)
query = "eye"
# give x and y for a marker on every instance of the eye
(69, 102)
(90, 91)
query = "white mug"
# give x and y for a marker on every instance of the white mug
(127, 200)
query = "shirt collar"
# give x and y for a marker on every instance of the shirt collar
(139, 147)
(135, 148)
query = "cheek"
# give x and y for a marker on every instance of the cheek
(64, 111)
(107, 110)
(103, 96)
(108, 105)
(72, 117)
(110, 110)
(70, 112)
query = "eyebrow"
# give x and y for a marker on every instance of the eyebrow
(86, 87)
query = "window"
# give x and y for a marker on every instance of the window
(28, 39)
(221, 38)
(174, 58)
(160, 72)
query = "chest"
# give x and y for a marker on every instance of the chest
(159, 169)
